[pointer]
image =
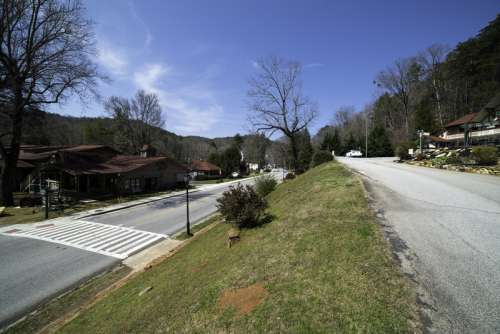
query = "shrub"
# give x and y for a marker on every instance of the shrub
(450, 159)
(321, 157)
(265, 184)
(289, 176)
(420, 157)
(453, 158)
(439, 161)
(241, 206)
(402, 150)
(485, 155)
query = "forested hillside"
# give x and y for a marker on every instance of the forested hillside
(54, 129)
(424, 91)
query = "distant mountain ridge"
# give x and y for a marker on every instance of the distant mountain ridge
(54, 129)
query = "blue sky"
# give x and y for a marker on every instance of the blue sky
(198, 55)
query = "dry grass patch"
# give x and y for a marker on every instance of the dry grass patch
(243, 300)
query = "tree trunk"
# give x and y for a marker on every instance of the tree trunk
(295, 151)
(8, 181)
(438, 101)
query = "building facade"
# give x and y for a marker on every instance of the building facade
(480, 128)
(94, 171)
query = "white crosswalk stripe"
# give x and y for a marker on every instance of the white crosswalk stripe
(111, 240)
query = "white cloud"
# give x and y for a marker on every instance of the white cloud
(191, 109)
(111, 59)
(149, 78)
(310, 65)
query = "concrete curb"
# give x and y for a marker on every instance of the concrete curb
(126, 205)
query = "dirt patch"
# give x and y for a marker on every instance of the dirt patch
(243, 300)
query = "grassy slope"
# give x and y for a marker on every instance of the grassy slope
(322, 260)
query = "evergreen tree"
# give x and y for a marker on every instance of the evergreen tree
(424, 119)
(230, 160)
(97, 132)
(331, 142)
(305, 149)
(351, 143)
(379, 144)
(214, 158)
(327, 142)
(336, 143)
(238, 141)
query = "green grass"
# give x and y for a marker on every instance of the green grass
(13, 215)
(322, 260)
(198, 227)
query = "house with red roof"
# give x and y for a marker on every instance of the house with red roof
(95, 170)
(204, 170)
(478, 128)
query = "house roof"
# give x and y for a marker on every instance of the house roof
(83, 148)
(463, 120)
(90, 159)
(203, 166)
(77, 164)
(436, 139)
(24, 164)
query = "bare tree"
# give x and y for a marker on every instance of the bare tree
(136, 119)
(342, 115)
(277, 102)
(432, 60)
(45, 55)
(400, 80)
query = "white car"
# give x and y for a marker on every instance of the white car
(354, 154)
(235, 175)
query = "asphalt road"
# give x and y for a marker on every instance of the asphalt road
(33, 271)
(167, 216)
(450, 224)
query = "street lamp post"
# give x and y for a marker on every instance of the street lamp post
(47, 199)
(186, 181)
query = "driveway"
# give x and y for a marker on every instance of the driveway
(448, 226)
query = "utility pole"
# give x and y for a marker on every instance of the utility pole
(366, 135)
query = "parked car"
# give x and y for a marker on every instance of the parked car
(234, 175)
(354, 154)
